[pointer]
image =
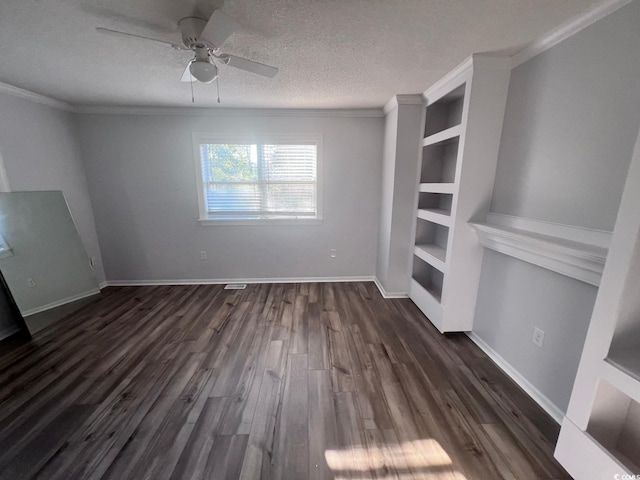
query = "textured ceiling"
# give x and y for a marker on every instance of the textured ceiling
(331, 53)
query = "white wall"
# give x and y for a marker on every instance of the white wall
(572, 116)
(400, 166)
(39, 149)
(386, 192)
(142, 178)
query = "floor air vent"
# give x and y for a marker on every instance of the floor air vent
(235, 286)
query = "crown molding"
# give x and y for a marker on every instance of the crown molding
(230, 112)
(403, 99)
(34, 97)
(567, 29)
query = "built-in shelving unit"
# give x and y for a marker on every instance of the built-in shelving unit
(600, 435)
(463, 123)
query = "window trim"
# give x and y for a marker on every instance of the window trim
(289, 139)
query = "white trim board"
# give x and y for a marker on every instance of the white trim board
(386, 294)
(34, 97)
(59, 303)
(575, 252)
(547, 405)
(222, 281)
(598, 238)
(567, 29)
(403, 99)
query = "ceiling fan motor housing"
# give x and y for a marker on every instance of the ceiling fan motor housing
(191, 29)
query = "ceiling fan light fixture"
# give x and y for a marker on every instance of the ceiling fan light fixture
(204, 72)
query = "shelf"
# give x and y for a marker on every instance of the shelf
(577, 260)
(434, 255)
(437, 188)
(426, 302)
(435, 215)
(442, 202)
(627, 360)
(615, 424)
(429, 277)
(439, 162)
(582, 455)
(445, 112)
(443, 137)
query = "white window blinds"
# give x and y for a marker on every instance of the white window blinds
(259, 180)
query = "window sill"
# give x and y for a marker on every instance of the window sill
(210, 222)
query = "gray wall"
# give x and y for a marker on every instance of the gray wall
(570, 125)
(142, 180)
(40, 152)
(572, 116)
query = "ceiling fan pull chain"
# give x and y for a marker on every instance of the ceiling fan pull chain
(218, 89)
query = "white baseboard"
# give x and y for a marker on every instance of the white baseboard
(533, 392)
(102, 285)
(59, 303)
(221, 281)
(386, 294)
(8, 330)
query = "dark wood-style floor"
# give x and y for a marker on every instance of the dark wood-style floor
(279, 381)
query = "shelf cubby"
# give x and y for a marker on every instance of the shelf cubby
(429, 278)
(439, 161)
(431, 243)
(445, 112)
(615, 424)
(441, 202)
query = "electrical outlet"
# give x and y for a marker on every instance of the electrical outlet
(203, 255)
(333, 253)
(538, 336)
(30, 282)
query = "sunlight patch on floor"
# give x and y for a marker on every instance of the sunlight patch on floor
(418, 459)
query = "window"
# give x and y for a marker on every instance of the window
(267, 180)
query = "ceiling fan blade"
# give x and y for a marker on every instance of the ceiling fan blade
(186, 75)
(218, 29)
(248, 65)
(134, 35)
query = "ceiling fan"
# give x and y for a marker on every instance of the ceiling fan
(204, 38)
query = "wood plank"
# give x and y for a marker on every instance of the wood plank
(247, 393)
(318, 341)
(351, 457)
(341, 368)
(226, 457)
(260, 447)
(300, 326)
(372, 406)
(291, 455)
(322, 424)
(195, 456)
